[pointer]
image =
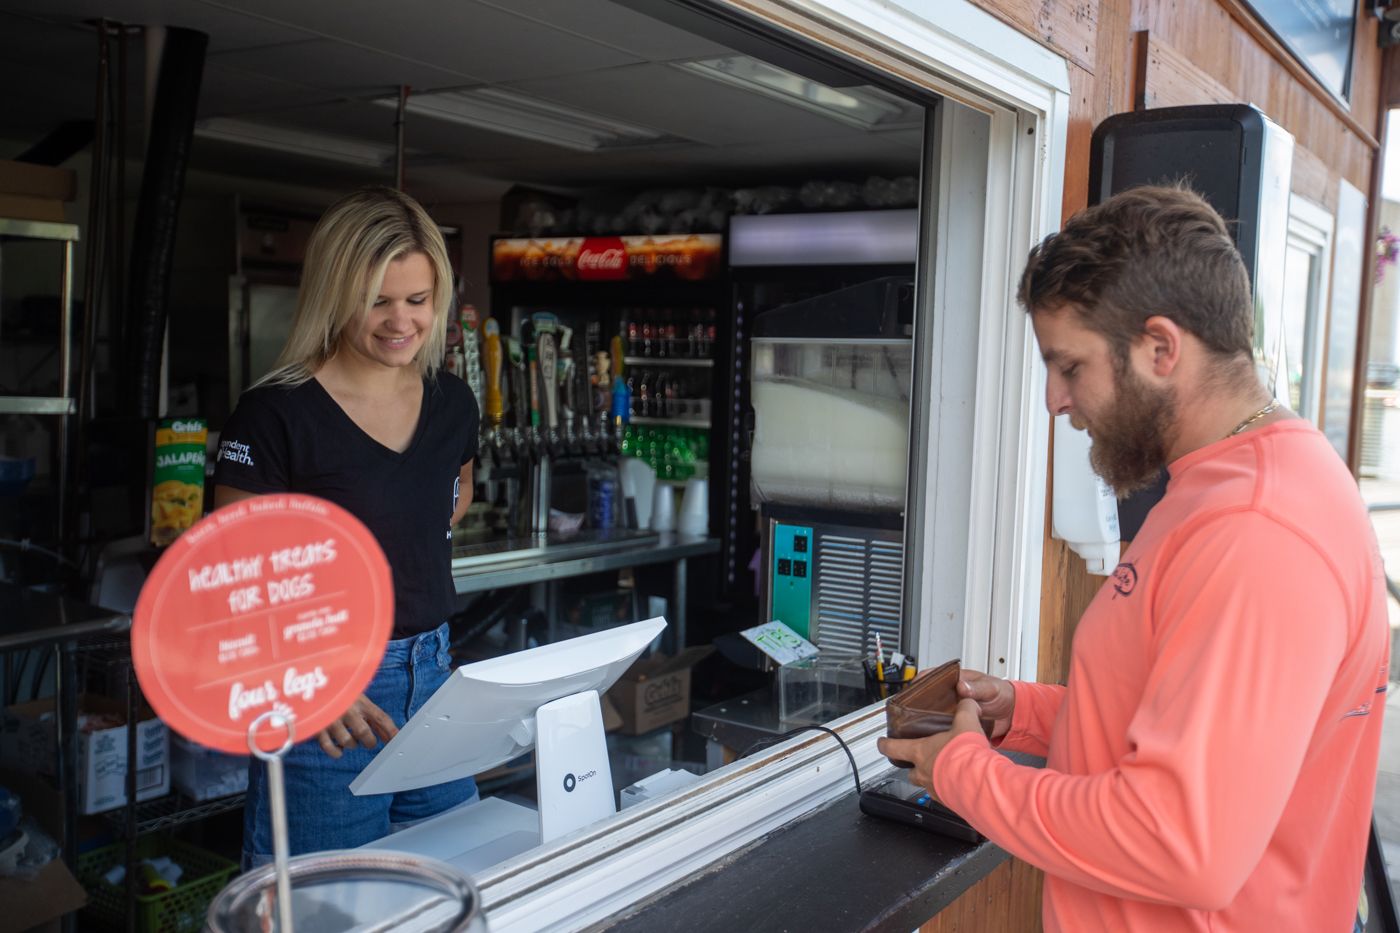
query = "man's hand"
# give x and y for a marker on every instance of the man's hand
(995, 697)
(360, 725)
(923, 752)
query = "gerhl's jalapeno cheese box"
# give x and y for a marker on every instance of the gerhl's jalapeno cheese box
(177, 485)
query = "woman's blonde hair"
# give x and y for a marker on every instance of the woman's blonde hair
(352, 245)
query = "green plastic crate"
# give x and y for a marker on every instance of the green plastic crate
(179, 910)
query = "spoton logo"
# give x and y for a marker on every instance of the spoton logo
(570, 782)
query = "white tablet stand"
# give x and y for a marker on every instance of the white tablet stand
(492, 711)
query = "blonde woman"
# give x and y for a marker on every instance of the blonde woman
(357, 411)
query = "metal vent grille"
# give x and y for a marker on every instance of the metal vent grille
(858, 589)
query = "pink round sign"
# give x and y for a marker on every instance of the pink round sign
(275, 604)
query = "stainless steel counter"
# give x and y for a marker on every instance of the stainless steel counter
(476, 568)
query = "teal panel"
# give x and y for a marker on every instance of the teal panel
(791, 574)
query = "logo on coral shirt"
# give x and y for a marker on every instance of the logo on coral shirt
(1125, 578)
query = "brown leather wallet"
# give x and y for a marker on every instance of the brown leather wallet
(926, 706)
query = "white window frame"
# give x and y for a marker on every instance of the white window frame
(1021, 92)
(1310, 228)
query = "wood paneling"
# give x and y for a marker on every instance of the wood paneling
(1211, 40)
(1157, 53)
(1081, 130)
(1006, 901)
(1098, 89)
(1390, 78)
(1069, 28)
(1313, 180)
(1168, 79)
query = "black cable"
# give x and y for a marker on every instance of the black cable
(761, 743)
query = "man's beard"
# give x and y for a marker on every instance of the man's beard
(1130, 440)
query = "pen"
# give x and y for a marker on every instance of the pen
(880, 664)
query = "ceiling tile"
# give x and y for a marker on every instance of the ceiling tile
(459, 36)
(348, 70)
(686, 105)
(373, 123)
(294, 64)
(228, 92)
(613, 25)
(227, 29)
(768, 162)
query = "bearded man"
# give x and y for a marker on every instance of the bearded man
(1211, 761)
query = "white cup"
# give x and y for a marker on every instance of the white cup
(695, 508)
(663, 508)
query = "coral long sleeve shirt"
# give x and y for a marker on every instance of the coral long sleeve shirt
(1212, 762)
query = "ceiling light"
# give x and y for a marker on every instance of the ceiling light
(865, 108)
(516, 114)
(846, 237)
(295, 142)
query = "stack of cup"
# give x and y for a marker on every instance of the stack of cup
(663, 508)
(695, 508)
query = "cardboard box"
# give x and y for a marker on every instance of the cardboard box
(38, 902)
(202, 773)
(612, 719)
(656, 690)
(29, 744)
(38, 181)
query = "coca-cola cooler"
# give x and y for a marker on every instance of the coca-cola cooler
(657, 302)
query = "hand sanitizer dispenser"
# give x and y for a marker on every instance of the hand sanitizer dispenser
(1083, 510)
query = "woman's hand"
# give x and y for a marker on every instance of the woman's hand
(996, 698)
(361, 724)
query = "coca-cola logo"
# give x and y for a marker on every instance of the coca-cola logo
(602, 258)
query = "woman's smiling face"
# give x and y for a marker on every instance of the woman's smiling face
(401, 316)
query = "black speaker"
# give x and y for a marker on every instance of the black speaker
(1231, 154)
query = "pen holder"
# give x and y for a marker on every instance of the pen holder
(893, 680)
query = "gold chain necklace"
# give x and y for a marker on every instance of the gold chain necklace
(1273, 403)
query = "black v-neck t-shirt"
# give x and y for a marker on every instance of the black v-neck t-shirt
(298, 439)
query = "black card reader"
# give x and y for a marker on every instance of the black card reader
(899, 800)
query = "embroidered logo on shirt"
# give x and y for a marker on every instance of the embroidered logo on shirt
(1125, 578)
(456, 492)
(236, 452)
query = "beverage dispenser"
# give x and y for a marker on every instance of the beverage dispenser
(830, 384)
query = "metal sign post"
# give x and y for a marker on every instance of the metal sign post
(278, 804)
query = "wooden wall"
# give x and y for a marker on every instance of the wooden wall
(1006, 901)
(1126, 54)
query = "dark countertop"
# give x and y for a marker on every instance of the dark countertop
(834, 870)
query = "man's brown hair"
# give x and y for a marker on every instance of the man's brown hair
(1153, 250)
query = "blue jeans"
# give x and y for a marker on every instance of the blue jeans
(321, 812)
